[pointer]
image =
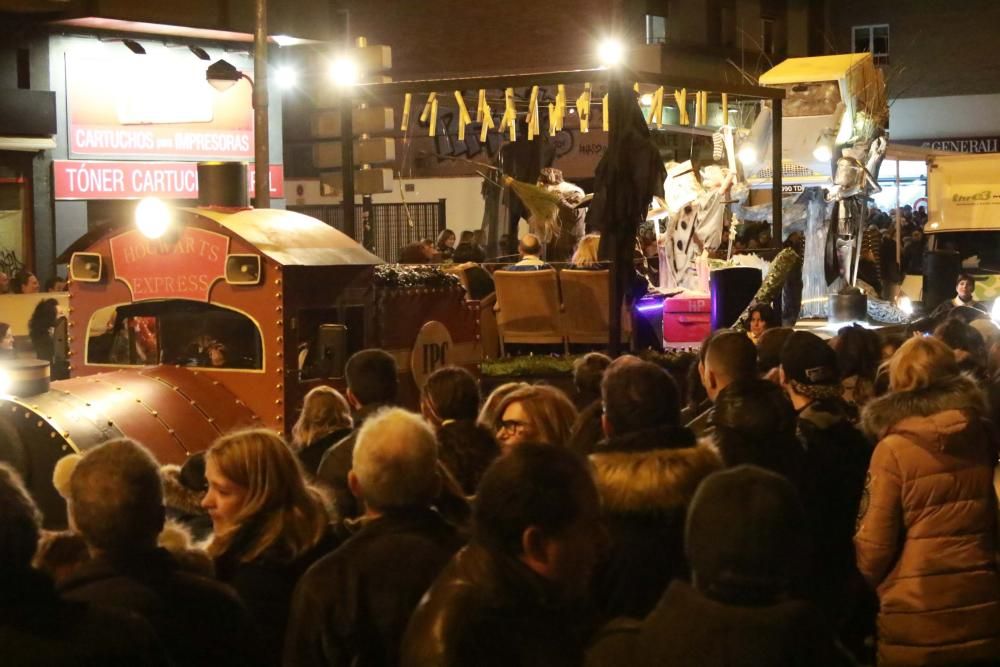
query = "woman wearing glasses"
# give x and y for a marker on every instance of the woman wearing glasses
(535, 413)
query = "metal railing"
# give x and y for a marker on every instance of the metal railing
(385, 229)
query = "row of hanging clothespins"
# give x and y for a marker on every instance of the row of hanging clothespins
(557, 111)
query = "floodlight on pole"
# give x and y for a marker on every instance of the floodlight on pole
(286, 77)
(823, 152)
(344, 71)
(611, 52)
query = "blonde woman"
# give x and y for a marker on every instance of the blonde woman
(585, 256)
(926, 537)
(268, 526)
(488, 413)
(536, 413)
(325, 420)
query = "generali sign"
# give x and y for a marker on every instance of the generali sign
(78, 179)
(958, 144)
(154, 106)
(184, 267)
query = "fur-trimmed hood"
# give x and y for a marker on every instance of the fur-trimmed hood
(918, 413)
(652, 479)
(176, 496)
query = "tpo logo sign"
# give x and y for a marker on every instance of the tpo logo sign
(432, 350)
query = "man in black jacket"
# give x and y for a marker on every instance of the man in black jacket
(37, 627)
(351, 607)
(116, 504)
(372, 384)
(835, 465)
(646, 472)
(516, 596)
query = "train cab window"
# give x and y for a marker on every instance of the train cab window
(177, 332)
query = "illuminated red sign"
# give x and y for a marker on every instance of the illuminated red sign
(156, 106)
(76, 179)
(184, 267)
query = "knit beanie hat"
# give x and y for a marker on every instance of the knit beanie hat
(743, 533)
(810, 365)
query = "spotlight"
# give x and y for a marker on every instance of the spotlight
(905, 305)
(6, 382)
(611, 52)
(823, 152)
(995, 311)
(152, 217)
(747, 155)
(200, 52)
(646, 100)
(285, 77)
(344, 71)
(134, 46)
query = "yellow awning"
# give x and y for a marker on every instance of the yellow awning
(818, 68)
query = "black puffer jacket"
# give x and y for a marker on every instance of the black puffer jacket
(834, 469)
(645, 480)
(491, 611)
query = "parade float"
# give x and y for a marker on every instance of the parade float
(203, 320)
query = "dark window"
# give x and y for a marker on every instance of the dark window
(873, 39)
(767, 35)
(656, 29)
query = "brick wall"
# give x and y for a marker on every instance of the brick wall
(937, 47)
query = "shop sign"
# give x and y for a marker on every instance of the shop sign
(77, 179)
(182, 267)
(958, 145)
(432, 350)
(154, 106)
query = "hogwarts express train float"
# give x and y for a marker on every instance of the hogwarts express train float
(224, 322)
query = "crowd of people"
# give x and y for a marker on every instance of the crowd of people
(791, 502)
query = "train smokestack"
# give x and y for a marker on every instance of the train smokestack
(223, 185)
(24, 377)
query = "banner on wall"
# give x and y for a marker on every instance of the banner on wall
(78, 179)
(154, 106)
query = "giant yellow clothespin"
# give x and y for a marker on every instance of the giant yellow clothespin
(657, 111)
(532, 118)
(680, 96)
(583, 109)
(425, 114)
(604, 112)
(725, 109)
(560, 106)
(463, 115)
(697, 108)
(434, 117)
(481, 105)
(487, 121)
(407, 99)
(509, 119)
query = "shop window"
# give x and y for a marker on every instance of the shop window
(873, 39)
(176, 332)
(656, 29)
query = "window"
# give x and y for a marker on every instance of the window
(174, 331)
(656, 29)
(767, 35)
(874, 39)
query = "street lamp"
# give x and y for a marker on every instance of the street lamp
(344, 71)
(611, 52)
(152, 217)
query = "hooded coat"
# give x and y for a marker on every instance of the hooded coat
(926, 537)
(645, 480)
